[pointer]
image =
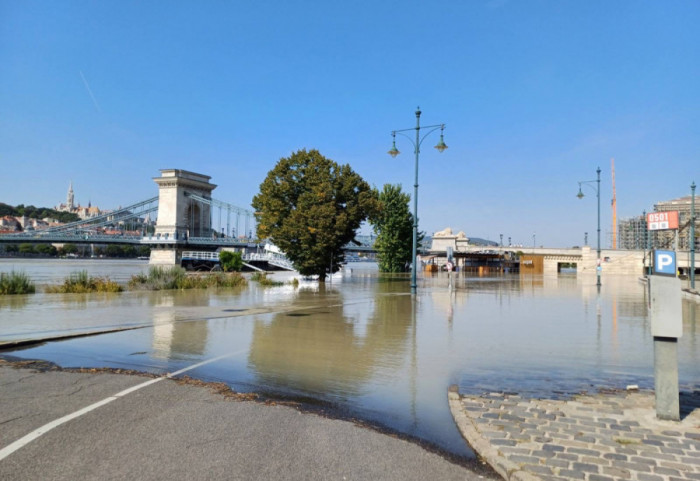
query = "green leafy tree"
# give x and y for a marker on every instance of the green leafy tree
(37, 213)
(114, 250)
(310, 207)
(46, 249)
(393, 224)
(26, 249)
(231, 261)
(68, 249)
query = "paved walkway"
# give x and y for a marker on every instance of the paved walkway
(604, 437)
(98, 426)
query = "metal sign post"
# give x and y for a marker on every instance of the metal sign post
(666, 319)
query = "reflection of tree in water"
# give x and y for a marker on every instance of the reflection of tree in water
(15, 301)
(333, 346)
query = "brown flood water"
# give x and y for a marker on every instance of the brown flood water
(362, 346)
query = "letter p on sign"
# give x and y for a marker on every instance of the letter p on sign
(665, 263)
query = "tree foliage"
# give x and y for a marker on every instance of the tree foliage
(393, 224)
(46, 249)
(68, 249)
(37, 213)
(231, 261)
(310, 207)
(26, 249)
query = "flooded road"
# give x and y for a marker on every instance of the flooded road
(363, 346)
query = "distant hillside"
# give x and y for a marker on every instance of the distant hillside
(36, 213)
(481, 242)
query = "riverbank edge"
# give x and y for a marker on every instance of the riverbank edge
(608, 436)
(304, 406)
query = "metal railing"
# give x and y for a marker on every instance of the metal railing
(275, 259)
(201, 256)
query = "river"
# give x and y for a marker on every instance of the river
(361, 346)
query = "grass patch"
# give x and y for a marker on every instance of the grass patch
(214, 279)
(80, 283)
(262, 279)
(158, 278)
(162, 278)
(16, 283)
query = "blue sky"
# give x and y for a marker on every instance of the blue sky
(534, 94)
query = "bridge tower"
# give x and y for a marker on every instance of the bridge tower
(179, 216)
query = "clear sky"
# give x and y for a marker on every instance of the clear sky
(535, 96)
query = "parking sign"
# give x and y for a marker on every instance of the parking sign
(665, 263)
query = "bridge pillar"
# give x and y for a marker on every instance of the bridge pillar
(179, 216)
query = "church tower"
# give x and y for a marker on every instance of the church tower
(69, 199)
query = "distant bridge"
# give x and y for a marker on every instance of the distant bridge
(128, 225)
(548, 260)
(186, 216)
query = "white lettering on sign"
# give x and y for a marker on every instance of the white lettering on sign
(664, 260)
(662, 220)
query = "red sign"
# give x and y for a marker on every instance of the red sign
(662, 220)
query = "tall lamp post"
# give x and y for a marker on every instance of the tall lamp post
(692, 236)
(416, 145)
(594, 184)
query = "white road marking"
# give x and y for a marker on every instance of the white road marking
(23, 441)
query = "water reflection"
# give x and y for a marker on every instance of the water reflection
(15, 301)
(335, 349)
(177, 340)
(366, 345)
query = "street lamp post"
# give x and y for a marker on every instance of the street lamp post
(692, 236)
(394, 152)
(591, 183)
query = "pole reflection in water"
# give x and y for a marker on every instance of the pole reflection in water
(368, 349)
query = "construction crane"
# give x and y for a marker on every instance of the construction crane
(614, 207)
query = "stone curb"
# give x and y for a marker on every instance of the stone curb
(481, 445)
(608, 436)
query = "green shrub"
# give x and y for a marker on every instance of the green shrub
(215, 279)
(26, 249)
(262, 279)
(80, 283)
(231, 261)
(161, 278)
(16, 283)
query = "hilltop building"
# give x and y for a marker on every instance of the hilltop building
(82, 212)
(9, 224)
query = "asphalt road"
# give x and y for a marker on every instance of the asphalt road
(166, 430)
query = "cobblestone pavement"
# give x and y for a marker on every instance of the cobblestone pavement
(608, 436)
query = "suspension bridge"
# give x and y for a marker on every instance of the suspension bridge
(183, 217)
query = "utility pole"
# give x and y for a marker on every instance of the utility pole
(692, 236)
(614, 208)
